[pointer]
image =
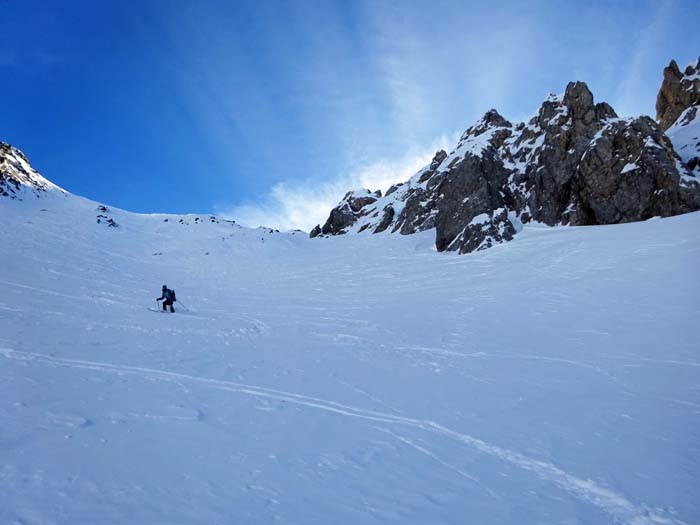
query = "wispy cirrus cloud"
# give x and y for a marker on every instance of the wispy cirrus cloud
(633, 97)
(296, 127)
(302, 205)
(368, 121)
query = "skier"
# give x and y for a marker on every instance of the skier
(168, 299)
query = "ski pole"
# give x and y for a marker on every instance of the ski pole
(183, 305)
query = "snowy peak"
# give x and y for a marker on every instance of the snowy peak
(575, 162)
(31, 196)
(491, 120)
(575, 108)
(489, 132)
(17, 177)
(578, 100)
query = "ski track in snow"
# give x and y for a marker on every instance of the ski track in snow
(450, 353)
(423, 450)
(614, 504)
(553, 379)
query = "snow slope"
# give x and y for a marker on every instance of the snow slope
(685, 134)
(358, 379)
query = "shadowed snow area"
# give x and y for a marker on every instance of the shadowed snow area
(357, 379)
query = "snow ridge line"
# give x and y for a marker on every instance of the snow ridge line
(608, 501)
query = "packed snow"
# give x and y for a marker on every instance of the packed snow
(354, 379)
(630, 166)
(685, 135)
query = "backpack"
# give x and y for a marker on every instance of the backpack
(172, 295)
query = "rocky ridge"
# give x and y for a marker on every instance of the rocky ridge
(574, 162)
(17, 178)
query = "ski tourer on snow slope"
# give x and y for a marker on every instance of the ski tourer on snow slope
(168, 297)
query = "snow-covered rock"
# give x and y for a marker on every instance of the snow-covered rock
(347, 212)
(575, 162)
(677, 110)
(18, 179)
(679, 91)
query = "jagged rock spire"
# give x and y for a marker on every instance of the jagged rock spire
(679, 91)
(574, 163)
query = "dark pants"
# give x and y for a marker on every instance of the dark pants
(168, 302)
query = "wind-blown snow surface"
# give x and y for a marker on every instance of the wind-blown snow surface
(358, 379)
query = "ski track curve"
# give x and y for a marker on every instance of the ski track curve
(610, 502)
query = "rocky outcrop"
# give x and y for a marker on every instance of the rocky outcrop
(17, 178)
(316, 231)
(630, 174)
(104, 218)
(575, 162)
(679, 91)
(678, 113)
(350, 209)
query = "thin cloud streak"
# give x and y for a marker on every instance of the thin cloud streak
(371, 80)
(632, 92)
(302, 206)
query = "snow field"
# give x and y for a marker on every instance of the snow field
(358, 379)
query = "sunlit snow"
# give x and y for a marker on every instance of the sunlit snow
(356, 379)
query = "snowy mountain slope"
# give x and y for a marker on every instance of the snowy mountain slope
(574, 162)
(549, 380)
(17, 178)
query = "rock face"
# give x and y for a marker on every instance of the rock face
(17, 178)
(679, 91)
(575, 162)
(678, 112)
(347, 212)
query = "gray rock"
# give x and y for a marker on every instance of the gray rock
(348, 211)
(628, 174)
(678, 105)
(387, 218)
(316, 231)
(678, 92)
(467, 218)
(575, 162)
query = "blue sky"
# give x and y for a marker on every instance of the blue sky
(268, 111)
